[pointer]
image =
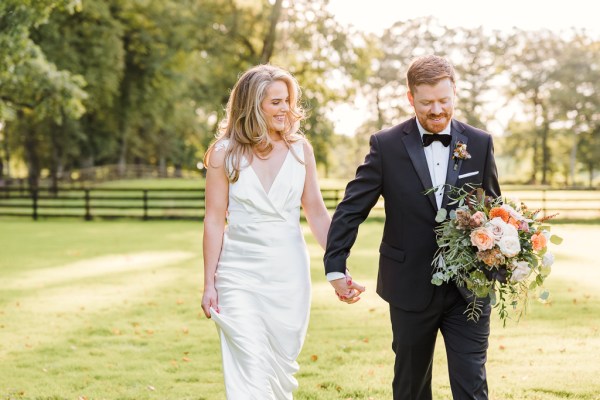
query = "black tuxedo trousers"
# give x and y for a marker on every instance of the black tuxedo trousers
(466, 342)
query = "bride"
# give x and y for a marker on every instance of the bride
(260, 171)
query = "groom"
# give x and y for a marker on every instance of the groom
(403, 162)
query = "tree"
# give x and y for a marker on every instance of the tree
(531, 64)
(31, 86)
(577, 97)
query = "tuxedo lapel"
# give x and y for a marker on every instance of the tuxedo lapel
(414, 146)
(452, 173)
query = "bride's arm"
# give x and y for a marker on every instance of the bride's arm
(216, 200)
(319, 220)
(312, 201)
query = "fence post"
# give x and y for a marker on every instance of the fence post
(145, 205)
(88, 214)
(544, 211)
(34, 198)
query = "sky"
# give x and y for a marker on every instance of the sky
(376, 15)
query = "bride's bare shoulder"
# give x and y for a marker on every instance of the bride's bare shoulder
(216, 153)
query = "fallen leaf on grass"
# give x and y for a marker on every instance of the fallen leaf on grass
(314, 357)
(186, 359)
(151, 388)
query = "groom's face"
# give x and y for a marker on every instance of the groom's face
(434, 104)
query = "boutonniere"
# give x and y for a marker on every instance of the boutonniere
(460, 153)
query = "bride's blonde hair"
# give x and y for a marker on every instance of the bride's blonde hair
(244, 123)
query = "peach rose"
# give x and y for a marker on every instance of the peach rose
(499, 212)
(538, 241)
(482, 238)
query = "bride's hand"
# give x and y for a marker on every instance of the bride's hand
(210, 299)
(347, 290)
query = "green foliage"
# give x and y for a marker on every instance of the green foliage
(145, 82)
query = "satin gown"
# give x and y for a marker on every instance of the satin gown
(263, 284)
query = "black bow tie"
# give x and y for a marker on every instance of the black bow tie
(429, 138)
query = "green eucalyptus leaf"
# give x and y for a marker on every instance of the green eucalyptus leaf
(441, 215)
(533, 285)
(545, 270)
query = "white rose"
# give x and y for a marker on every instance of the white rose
(520, 271)
(510, 230)
(509, 245)
(513, 213)
(546, 234)
(496, 226)
(547, 259)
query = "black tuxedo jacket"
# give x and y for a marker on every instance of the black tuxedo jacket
(396, 168)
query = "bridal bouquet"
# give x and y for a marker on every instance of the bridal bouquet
(495, 248)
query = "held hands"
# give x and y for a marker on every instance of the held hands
(209, 300)
(347, 290)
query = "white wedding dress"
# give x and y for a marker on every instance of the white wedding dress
(263, 284)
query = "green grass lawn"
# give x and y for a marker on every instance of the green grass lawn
(111, 310)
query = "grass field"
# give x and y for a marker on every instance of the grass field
(111, 310)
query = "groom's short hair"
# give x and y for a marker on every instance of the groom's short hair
(429, 70)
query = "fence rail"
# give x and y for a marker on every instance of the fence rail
(149, 204)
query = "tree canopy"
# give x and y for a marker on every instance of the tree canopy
(111, 82)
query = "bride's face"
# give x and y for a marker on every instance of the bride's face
(275, 106)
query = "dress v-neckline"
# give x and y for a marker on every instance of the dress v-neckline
(268, 191)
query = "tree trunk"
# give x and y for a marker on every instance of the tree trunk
(162, 166)
(122, 164)
(178, 172)
(32, 159)
(536, 109)
(379, 111)
(545, 152)
(6, 155)
(269, 42)
(573, 161)
(55, 166)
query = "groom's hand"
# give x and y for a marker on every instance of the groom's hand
(347, 290)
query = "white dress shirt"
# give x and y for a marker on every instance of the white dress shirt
(437, 162)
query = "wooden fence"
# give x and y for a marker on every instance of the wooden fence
(148, 204)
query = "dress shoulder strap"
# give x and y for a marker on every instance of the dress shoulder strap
(298, 149)
(222, 144)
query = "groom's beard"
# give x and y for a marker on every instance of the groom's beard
(435, 123)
